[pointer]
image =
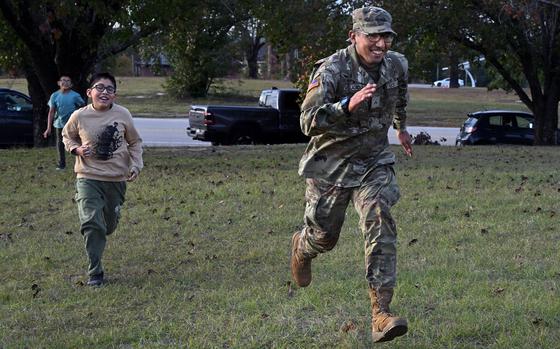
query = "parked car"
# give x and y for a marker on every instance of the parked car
(274, 120)
(16, 118)
(497, 127)
(445, 83)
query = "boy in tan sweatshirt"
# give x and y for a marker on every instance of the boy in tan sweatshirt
(108, 153)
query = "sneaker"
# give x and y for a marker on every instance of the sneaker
(60, 168)
(95, 280)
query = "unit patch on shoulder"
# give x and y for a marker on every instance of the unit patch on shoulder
(313, 84)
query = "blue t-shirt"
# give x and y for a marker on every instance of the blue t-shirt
(65, 104)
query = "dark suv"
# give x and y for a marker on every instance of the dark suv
(16, 118)
(497, 127)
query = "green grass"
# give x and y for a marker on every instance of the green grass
(200, 258)
(427, 107)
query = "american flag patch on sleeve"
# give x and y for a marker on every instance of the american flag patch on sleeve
(313, 84)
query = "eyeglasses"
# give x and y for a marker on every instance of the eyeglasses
(65, 80)
(387, 37)
(100, 88)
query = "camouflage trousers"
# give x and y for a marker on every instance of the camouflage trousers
(325, 212)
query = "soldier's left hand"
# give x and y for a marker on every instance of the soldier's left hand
(406, 142)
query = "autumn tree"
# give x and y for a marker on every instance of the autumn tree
(520, 39)
(51, 38)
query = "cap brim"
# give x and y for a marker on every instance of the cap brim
(377, 29)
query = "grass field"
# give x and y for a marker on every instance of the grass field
(427, 107)
(200, 259)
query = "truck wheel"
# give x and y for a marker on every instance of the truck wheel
(220, 139)
(243, 136)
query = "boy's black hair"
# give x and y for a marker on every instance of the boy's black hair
(98, 76)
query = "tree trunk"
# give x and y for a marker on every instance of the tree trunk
(40, 109)
(269, 61)
(546, 117)
(453, 70)
(253, 56)
(253, 67)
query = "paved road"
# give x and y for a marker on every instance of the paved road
(166, 133)
(172, 133)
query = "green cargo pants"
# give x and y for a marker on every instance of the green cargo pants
(99, 206)
(325, 212)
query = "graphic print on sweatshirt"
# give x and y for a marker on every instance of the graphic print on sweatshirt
(108, 141)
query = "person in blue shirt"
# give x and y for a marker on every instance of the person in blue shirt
(61, 105)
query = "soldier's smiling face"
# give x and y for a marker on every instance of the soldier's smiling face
(369, 50)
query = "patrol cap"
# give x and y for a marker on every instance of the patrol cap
(372, 20)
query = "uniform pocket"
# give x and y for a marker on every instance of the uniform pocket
(390, 190)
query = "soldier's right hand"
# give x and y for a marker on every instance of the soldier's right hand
(361, 96)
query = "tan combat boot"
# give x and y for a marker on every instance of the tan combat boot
(384, 325)
(301, 265)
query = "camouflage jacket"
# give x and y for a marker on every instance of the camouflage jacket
(344, 148)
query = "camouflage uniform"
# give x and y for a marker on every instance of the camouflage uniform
(348, 158)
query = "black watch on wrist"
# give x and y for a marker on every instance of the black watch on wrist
(345, 103)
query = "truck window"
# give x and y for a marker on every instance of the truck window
(262, 98)
(272, 100)
(290, 101)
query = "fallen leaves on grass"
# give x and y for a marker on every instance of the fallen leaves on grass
(536, 321)
(498, 290)
(348, 326)
(429, 308)
(6, 237)
(36, 289)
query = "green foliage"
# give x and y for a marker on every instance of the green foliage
(11, 52)
(197, 48)
(519, 38)
(201, 255)
(195, 66)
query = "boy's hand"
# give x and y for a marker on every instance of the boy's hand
(133, 174)
(83, 151)
(46, 133)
